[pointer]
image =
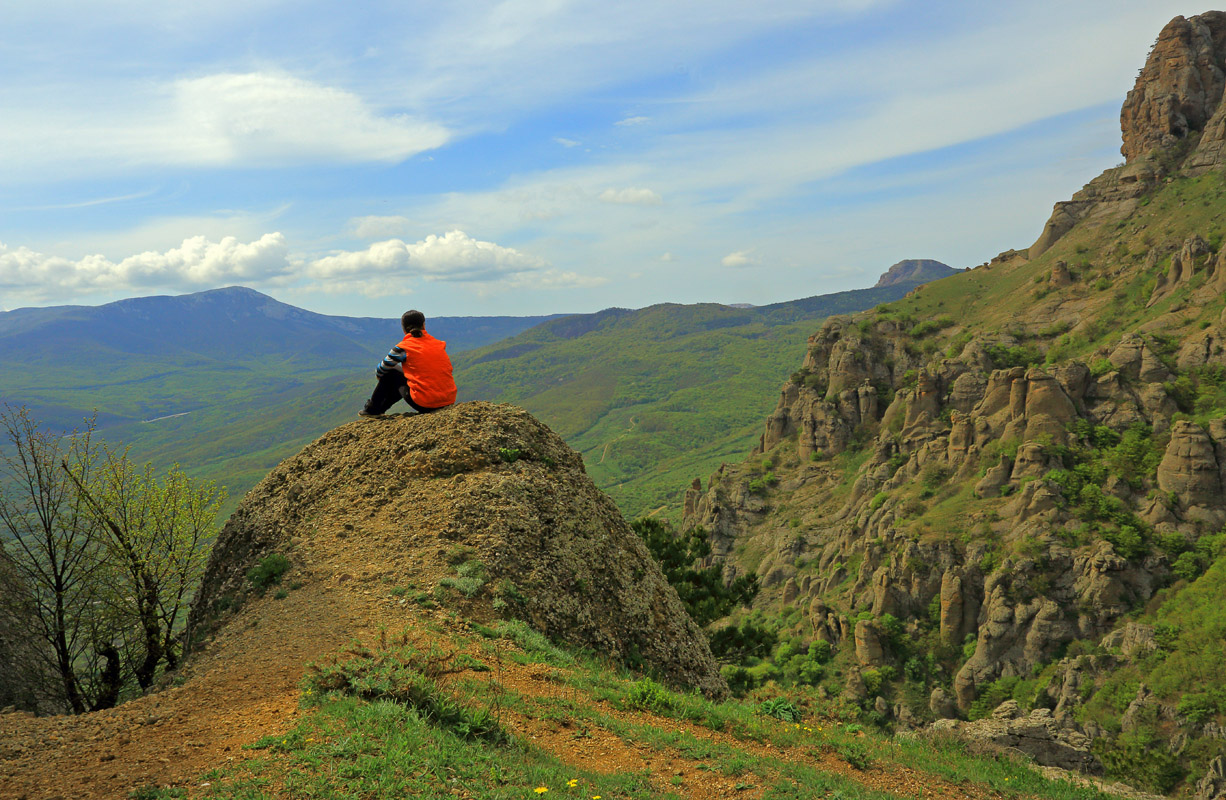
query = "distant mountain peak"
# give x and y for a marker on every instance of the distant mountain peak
(914, 270)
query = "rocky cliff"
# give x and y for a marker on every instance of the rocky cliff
(1178, 92)
(491, 509)
(1172, 120)
(974, 493)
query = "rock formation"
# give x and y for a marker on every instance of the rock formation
(914, 270)
(1017, 485)
(1037, 734)
(1176, 98)
(478, 483)
(1180, 88)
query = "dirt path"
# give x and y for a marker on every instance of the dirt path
(244, 686)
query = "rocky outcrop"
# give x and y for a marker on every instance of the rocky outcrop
(1190, 471)
(1113, 195)
(949, 426)
(1179, 89)
(1037, 734)
(1213, 785)
(914, 270)
(441, 483)
(1004, 501)
(1176, 98)
(1195, 256)
(869, 651)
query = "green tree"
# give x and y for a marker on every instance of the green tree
(104, 556)
(702, 589)
(57, 562)
(159, 534)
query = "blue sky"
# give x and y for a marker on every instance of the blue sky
(474, 158)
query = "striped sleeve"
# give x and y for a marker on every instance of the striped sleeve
(391, 361)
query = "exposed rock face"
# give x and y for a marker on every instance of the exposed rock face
(1021, 610)
(914, 270)
(429, 484)
(1180, 88)
(1037, 734)
(868, 644)
(1213, 785)
(1189, 466)
(1113, 195)
(1009, 514)
(1177, 95)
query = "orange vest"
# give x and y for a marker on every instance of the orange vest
(428, 371)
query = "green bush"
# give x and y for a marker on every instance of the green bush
(738, 678)
(930, 326)
(779, 708)
(1200, 707)
(1140, 761)
(268, 572)
(405, 675)
(701, 589)
(1016, 356)
(744, 641)
(855, 754)
(469, 580)
(647, 695)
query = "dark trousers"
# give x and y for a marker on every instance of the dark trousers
(390, 388)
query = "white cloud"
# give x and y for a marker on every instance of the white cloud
(374, 227)
(629, 121)
(197, 264)
(667, 257)
(562, 140)
(95, 201)
(630, 196)
(453, 257)
(259, 119)
(262, 118)
(740, 258)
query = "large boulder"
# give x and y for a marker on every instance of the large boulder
(480, 483)
(1189, 466)
(1036, 734)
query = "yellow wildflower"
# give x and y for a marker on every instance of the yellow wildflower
(541, 789)
(573, 782)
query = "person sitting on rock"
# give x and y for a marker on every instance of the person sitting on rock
(417, 371)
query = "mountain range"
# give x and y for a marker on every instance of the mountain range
(230, 381)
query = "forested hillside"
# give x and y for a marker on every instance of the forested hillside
(653, 395)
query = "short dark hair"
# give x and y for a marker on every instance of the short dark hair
(413, 322)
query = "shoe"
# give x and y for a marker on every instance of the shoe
(365, 413)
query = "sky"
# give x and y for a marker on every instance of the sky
(542, 156)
